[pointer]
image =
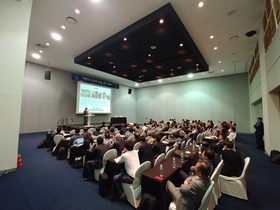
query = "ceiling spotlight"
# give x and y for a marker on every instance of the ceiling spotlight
(153, 47)
(88, 57)
(190, 75)
(40, 51)
(211, 37)
(200, 4)
(179, 67)
(219, 61)
(181, 45)
(111, 62)
(149, 54)
(71, 20)
(136, 84)
(197, 64)
(95, 0)
(77, 11)
(124, 39)
(114, 67)
(35, 55)
(56, 36)
(233, 38)
(161, 21)
(215, 48)
(222, 70)
(48, 44)
(160, 80)
(63, 27)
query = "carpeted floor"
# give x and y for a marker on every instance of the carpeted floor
(44, 183)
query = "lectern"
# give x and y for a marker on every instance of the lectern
(88, 118)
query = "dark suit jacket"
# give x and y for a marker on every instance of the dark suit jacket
(259, 128)
(145, 153)
(233, 163)
(98, 153)
(119, 146)
(158, 148)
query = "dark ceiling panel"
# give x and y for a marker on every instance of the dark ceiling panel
(134, 59)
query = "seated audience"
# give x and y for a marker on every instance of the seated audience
(129, 132)
(217, 158)
(145, 151)
(190, 193)
(232, 133)
(107, 138)
(98, 152)
(131, 162)
(119, 144)
(97, 132)
(158, 146)
(233, 163)
(75, 136)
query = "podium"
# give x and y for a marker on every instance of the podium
(89, 118)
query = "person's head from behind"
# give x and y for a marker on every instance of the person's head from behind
(202, 169)
(58, 130)
(215, 148)
(259, 119)
(112, 129)
(85, 129)
(118, 137)
(77, 130)
(107, 135)
(97, 129)
(99, 140)
(208, 154)
(228, 144)
(129, 145)
(157, 137)
(136, 134)
(142, 139)
(232, 129)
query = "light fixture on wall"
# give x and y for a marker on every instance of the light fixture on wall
(48, 72)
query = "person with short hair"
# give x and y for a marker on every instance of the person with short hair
(189, 195)
(86, 112)
(259, 133)
(233, 163)
(145, 151)
(158, 147)
(119, 144)
(131, 163)
(98, 152)
(232, 133)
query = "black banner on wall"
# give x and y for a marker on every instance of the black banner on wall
(77, 77)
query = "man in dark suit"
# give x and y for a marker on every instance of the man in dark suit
(158, 147)
(259, 133)
(189, 195)
(97, 153)
(119, 144)
(145, 151)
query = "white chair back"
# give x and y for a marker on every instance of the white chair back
(132, 137)
(136, 146)
(138, 175)
(57, 139)
(159, 159)
(163, 138)
(182, 146)
(112, 153)
(72, 132)
(170, 153)
(206, 198)
(216, 188)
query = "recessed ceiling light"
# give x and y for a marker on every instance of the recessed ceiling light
(35, 55)
(71, 20)
(88, 57)
(222, 70)
(200, 4)
(233, 38)
(211, 37)
(161, 21)
(136, 84)
(124, 39)
(179, 67)
(95, 0)
(40, 51)
(197, 64)
(149, 54)
(160, 80)
(111, 62)
(153, 47)
(114, 67)
(215, 48)
(56, 36)
(77, 11)
(220, 62)
(63, 27)
(181, 45)
(48, 44)
(190, 75)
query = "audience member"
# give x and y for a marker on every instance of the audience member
(131, 162)
(232, 133)
(190, 193)
(119, 144)
(145, 151)
(158, 147)
(217, 158)
(233, 162)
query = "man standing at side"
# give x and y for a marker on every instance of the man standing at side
(259, 133)
(86, 116)
(189, 195)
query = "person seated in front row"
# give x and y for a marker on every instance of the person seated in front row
(145, 151)
(189, 195)
(98, 152)
(206, 155)
(233, 163)
(131, 163)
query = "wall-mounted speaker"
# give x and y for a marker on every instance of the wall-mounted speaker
(48, 75)
(129, 91)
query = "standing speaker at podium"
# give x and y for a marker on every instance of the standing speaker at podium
(86, 113)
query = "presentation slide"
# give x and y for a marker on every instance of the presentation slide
(96, 98)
